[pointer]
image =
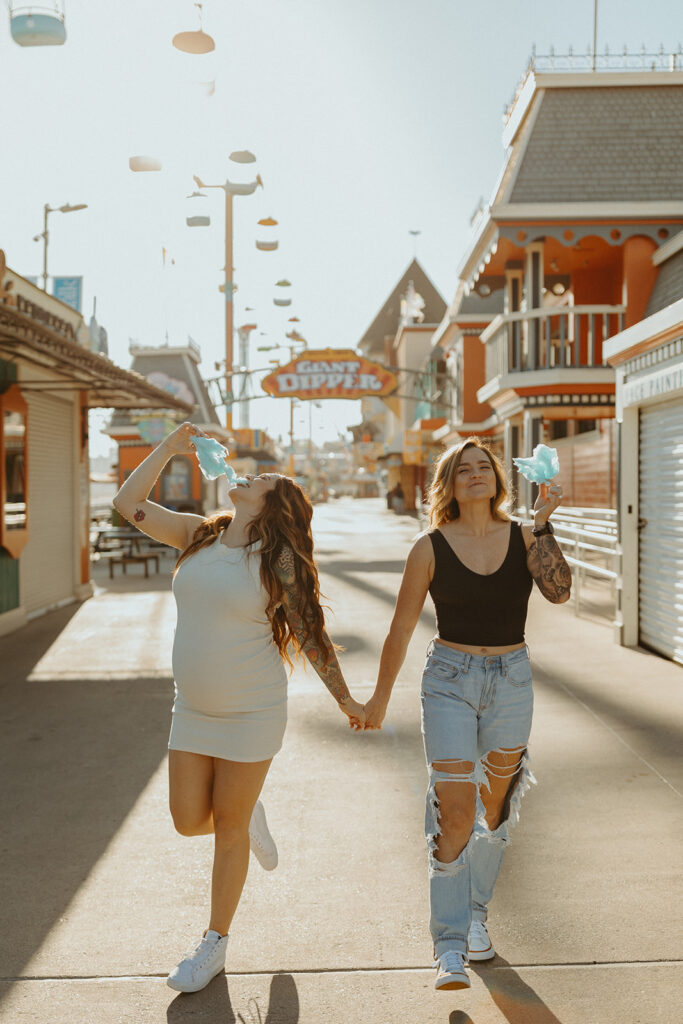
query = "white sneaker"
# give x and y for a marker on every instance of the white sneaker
(198, 967)
(451, 973)
(260, 840)
(479, 945)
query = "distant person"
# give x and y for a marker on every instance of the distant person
(476, 692)
(246, 588)
(399, 499)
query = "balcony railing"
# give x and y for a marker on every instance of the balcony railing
(541, 339)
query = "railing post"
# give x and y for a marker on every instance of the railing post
(577, 339)
(547, 342)
(563, 331)
(591, 340)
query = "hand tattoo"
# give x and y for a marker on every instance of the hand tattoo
(548, 567)
(324, 660)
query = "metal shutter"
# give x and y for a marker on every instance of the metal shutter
(661, 530)
(47, 562)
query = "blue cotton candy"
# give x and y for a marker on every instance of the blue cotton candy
(541, 467)
(211, 456)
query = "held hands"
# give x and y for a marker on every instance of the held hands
(549, 498)
(375, 710)
(355, 713)
(179, 441)
(365, 716)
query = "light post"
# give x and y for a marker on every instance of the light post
(231, 189)
(47, 209)
(271, 348)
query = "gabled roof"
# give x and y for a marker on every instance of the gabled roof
(668, 287)
(175, 369)
(387, 320)
(605, 143)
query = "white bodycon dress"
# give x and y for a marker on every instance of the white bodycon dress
(230, 681)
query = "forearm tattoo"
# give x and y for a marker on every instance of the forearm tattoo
(548, 567)
(323, 659)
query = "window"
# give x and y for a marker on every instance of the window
(558, 429)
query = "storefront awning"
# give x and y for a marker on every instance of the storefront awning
(106, 384)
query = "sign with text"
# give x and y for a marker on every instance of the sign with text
(329, 373)
(68, 290)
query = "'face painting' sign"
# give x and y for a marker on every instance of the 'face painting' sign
(330, 373)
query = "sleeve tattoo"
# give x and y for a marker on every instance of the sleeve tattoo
(548, 567)
(324, 660)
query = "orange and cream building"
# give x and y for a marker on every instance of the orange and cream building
(562, 258)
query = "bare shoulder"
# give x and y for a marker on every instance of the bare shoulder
(420, 561)
(422, 549)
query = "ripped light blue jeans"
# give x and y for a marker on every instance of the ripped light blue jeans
(472, 707)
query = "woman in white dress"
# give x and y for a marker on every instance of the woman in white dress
(246, 589)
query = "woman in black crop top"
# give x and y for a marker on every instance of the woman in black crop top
(477, 699)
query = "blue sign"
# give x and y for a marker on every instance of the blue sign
(68, 290)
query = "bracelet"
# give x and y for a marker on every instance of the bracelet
(546, 528)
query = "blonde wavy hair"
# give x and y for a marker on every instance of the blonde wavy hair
(443, 507)
(284, 521)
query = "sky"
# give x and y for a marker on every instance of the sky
(369, 119)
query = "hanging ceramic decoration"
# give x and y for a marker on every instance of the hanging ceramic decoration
(29, 28)
(144, 163)
(283, 283)
(266, 245)
(198, 222)
(194, 42)
(243, 156)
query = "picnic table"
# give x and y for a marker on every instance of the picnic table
(121, 546)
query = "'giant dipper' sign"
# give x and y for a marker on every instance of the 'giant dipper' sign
(330, 373)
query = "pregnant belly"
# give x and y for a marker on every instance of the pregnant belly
(213, 683)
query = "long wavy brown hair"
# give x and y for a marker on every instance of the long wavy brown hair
(443, 507)
(284, 521)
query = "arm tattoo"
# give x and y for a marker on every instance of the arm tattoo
(548, 567)
(139, 515)
(323, 659)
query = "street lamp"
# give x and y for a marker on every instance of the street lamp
(231, 189)
(271, 348)
(67, 208)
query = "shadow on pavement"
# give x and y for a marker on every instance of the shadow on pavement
(79, 754)
(516, 1000)
(460, 1017)
(22, 650)
(214, 1006)
(656, 735)
(341, 570)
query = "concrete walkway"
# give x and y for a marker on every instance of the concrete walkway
(101, 897)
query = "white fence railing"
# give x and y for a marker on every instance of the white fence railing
(588, 540)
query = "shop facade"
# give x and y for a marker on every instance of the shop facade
(648, 358)
(49, 380)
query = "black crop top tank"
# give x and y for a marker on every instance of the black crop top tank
(479, 610)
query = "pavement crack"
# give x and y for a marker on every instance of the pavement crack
(414, 969)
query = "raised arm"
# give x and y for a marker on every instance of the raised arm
(417, 576)
(544, 558)
(173, 528)
(323, 659)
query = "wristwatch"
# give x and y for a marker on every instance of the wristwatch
(546, 528)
